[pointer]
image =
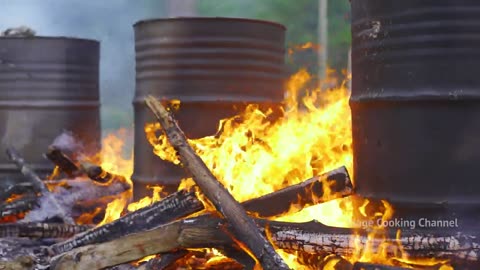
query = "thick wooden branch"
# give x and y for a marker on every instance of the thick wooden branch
(98, 174)
(460, 248)
(41, 230)
(174, 206)
(62, 161)
(37, 183)
(325, 187)
(190, 203)
(243, 227)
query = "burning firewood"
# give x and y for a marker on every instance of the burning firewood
(18, 206)
(41, 230)
(97, 173)
(62, 161)
(183, 203)
(313, 237)
(177, 205)
(16, 189)
(37, 183)
(328, 186)
(243, 226)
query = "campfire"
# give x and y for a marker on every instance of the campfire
(262, 194)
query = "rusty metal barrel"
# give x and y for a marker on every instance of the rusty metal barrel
(213, 66)
(48, 85)
(416, 101)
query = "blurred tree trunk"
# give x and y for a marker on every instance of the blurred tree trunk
(181, 8)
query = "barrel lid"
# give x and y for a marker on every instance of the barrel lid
(59, 38)
(218, 19)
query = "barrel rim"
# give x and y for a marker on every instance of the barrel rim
(218, 19)
(59, 38)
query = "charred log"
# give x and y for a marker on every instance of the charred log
(98, 174)
(62, 161)
(41, 230)
(175, 206)
(191, 205)
(460, 248)
(16, 189)
(328, 186)
(37, 183)
(18, 206)
(243, 226)
(236, 253)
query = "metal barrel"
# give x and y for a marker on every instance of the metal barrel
(213, 66)
(416, 101)
(48, 85)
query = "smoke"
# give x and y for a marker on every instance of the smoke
(110, 22)
(81, 191)
(68, 143)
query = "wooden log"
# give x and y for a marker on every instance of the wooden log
(325, 187)
(460, 248)
(243, 226)
(98, 174)
(41, 230)
(16, 189)
(262, 205)
(18, 206)
(174, 206)
(37, 183)
(62, 161)
(236, 253)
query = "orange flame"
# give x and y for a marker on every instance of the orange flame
(252, 156)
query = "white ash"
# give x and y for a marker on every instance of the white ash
(68, 143)
(79, 190)
(11, 248)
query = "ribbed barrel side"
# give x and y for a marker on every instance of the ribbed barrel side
(416, 100)
(211, 65)
(47, 85)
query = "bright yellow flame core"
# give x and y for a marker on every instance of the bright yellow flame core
(112, 159)
(253, 156)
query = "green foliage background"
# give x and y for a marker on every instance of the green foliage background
(301, 19)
